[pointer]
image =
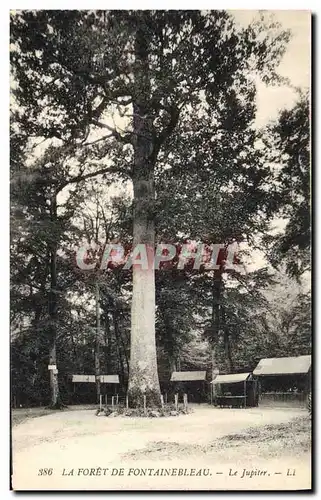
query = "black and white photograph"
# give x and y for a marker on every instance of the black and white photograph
(160, 250)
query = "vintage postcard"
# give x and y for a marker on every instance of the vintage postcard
(160, 250)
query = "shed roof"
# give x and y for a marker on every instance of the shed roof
(283, 366)
(109, 379)
(188, 376)
(231, 378)
(104, 379)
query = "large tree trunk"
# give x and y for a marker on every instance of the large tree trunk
(54, 384)
(143, 375)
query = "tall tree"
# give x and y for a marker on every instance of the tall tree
(35, 187)
(157, 69)
(291, 196)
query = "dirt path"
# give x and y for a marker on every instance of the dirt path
(72, 442)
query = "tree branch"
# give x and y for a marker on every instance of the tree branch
(83, 177)
(167, 130)
(125, 139)
(97, 140)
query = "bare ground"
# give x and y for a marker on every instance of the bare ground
(272, 443)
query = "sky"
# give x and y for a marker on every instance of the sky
(295, 65)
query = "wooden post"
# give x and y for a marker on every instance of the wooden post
(176, 401)
(162, 400)
(127, 402)
(100, 402)
(106, 400)
(112, 402)
(166, 398)
(144, 404)
(116, 399)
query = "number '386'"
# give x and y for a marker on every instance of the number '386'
(44, 472)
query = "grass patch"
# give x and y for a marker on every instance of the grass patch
(288, 432)
(163, 450)
(290, 438)
(19, 415)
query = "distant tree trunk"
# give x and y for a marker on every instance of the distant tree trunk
(97, 347)
(170, 343)
(172, 364)
(124, 350)
(120, 358)
(76, 357)
(54, 384)
(107, 350)
(216, 293)
(143, 375)
(227, 344)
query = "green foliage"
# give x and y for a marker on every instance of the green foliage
(292, 195)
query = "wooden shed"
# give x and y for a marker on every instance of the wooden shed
(86, 387)
(235, 390)
(285, 381)
(192, 383)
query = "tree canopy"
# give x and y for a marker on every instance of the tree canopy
(138, 127)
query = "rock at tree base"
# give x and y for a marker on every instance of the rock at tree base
(168, 411)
